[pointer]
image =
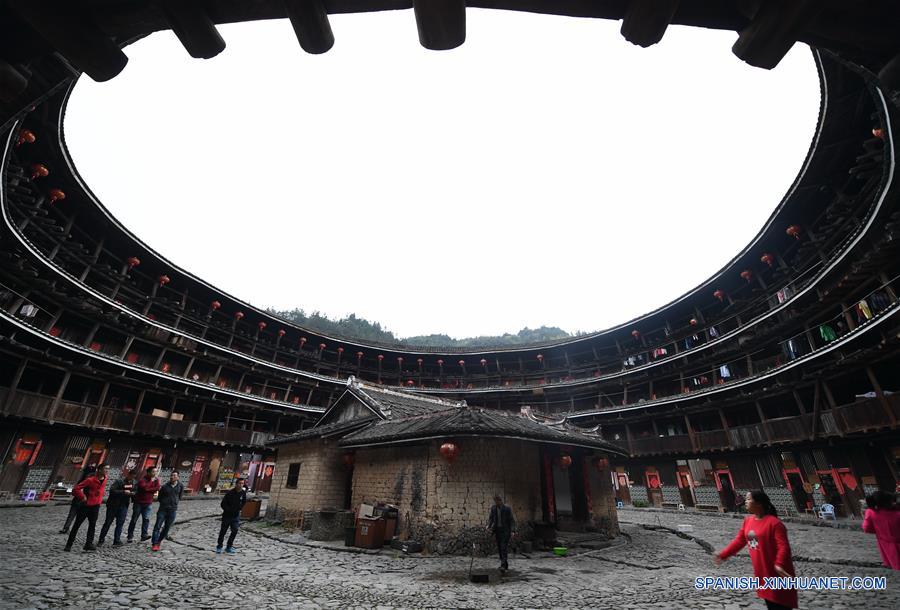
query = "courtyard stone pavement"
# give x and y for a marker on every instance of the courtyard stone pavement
(648, 568)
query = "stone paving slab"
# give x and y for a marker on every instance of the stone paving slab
(654, 569)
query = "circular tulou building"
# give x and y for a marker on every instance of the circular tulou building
(779, 372)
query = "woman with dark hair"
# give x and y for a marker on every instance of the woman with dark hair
(882, 518)
(766, 537)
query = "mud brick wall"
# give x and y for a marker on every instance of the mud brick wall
(322, 480)
(603, 500)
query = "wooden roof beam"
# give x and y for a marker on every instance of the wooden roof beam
(773, 30)
(645, 21)
(441, 23)
(194, 28)
(310, 21)
(70, 29)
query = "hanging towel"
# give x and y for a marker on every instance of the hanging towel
(827, 333)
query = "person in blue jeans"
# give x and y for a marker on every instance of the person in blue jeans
(169, 496)
(232, 504)
(120, 495)
(143, 503)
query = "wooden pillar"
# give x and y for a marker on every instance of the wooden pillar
(628, 438)
(137, 409)
(690, 431)
(15, 384)
(799, 402)
(764, 421)
(881, 398)
(59, 394)
(817, 399)
(725, 427)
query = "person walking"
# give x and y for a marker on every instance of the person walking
(882, 518)
(90, 492)
(75, 504)
(232, 504)
(120, 494)
(143, 503)
(501, 523)
(770, 552)
(169, 496)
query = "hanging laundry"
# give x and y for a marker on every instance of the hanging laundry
(879, 301)
(863, 308)
(827, 333)
(28, 310)
(791, 349)
(724, 371)
(713, 332)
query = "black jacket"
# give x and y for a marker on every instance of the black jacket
(233, 502)
(169, 495)
(502, 519)
(117, 496)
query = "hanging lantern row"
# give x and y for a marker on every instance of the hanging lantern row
(163, 280)
(55, 195)
(39, 171)
(449, 451)
(767, 259)
(25, 137)
(133, 262)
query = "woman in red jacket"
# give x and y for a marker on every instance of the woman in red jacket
(90, 492)
(765, 535)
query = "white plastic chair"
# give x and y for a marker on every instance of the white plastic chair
(826, 511)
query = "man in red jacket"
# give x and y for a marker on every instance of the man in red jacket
(90, 492)
(143, 502)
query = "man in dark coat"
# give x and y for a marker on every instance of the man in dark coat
(502, 523)
(120, 494)
(232, 504)
(76, 503)
(169, 496)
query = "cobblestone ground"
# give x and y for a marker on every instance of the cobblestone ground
(650, 569)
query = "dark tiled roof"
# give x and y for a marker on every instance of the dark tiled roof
(335, 429)
(470, 421)
(395, 404)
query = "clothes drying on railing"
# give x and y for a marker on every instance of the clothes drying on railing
(863, 313)
(879, 301)
(724, 371)
(791, 349)
(713, 332)
(660, 352)
(784, 294)
(827, 333)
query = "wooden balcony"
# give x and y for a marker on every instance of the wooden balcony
(747, 436)
(784, 429)
(41, 408)
(712, 440)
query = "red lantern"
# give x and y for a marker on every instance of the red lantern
(440, 363)
(281, 332)
(565, 461)
(302, 342)
(462, 363)
(39, 171)
(215, 305)
(878, 132)
(636, 334)
(400, 359)
(261, 326)
(793, 231)
(601, 464)
(239, 315)
(540, 357)
(483, 362)
(321, 347)
(449, 451)
(359, 355)
(28, 137)
(693, 321)
(55, 195)
(410, 382)
(348, 459)
(163, 280)
(380, 357)
(419, 362)
(133, 262)
(747, 274)
(340, 350)
(719, 294)
(767, 259)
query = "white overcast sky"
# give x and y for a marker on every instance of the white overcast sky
(546, 172)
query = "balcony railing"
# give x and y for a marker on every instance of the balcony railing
(38, 407)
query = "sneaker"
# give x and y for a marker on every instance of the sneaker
(117, 543)
(130, 540)
(63, 531)
(90, 547)
(218, 550)
(144, 537)
(100, 543)
(170, 539)
(230, 551)
(155, 547)
(68, 548)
